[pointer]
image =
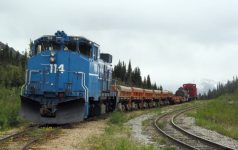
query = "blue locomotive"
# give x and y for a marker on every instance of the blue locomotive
(67, 80)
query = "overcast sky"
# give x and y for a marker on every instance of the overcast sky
(175, 41)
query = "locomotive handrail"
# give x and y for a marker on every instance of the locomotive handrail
(24, 85)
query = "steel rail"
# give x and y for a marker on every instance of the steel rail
(17, 134)
(181, 143)
(192, 136)
(206, 141)
(29, 144)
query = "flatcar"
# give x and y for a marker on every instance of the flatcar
(133, 98)
(137, 97)
(124, 94)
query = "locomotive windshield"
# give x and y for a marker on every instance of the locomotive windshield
(81, 46)
(47, 45)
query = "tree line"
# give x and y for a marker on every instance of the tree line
(12, 67)
(125, 75)
(229, 87)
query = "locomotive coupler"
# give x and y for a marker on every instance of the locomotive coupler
(48, 111)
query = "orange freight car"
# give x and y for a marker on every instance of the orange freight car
(166, 97)
(148, 98)
(129, 98)
(137, 98)
(157, 97)
(176, 99)
(124, 94)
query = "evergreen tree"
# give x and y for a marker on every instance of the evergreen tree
(161, 88)
(1, 56)
(10, 57)
(126, 76)
(148, 82)
(136, 77)
(154, 86)
(229, 87)
(129, 73)
(12, 72)
(123, 73)
(144, 83)
(24, 60)
(17, 58)
(5, 54)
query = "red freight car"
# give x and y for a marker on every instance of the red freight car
(192, 90)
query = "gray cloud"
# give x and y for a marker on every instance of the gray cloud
(174, 41)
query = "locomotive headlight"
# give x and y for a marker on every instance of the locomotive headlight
(52, 54)
(52, 59)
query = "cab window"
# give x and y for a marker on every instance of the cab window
(42, 46)
(71, 46)
(95, 53)
(85, 49)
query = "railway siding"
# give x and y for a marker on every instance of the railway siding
(188, 123)
(181, 137)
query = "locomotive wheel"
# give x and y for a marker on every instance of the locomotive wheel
(124, 108)
(149, 104)
(97, 108)
(103, 108)
(157, 104)
(138, 105)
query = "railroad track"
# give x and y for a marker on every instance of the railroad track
(26, 140)
(15, 135)
(21, 136)
(184, 139)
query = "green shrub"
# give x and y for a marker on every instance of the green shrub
(118, 118)
(9, 107)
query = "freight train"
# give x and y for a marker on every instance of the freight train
(68, 79)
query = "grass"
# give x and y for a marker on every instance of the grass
(220, 114)
(9, 108)
(117, 136)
